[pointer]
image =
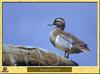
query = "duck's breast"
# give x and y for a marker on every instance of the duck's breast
(62, 42)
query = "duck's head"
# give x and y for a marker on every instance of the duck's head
(59, 23)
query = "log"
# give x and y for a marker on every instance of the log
(20, 55)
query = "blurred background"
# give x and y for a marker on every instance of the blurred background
(26, 24)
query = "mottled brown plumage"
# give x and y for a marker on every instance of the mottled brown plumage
(66, 41)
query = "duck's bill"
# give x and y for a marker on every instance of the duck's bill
(50, 24)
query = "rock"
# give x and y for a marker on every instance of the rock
(17, 55)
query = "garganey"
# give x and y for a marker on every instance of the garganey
(66, 41)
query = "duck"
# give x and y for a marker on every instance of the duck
(66, 41)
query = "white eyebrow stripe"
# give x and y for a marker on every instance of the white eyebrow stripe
(60, 20)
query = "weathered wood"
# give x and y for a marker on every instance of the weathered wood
(15, 55)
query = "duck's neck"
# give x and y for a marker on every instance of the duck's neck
(61, 27)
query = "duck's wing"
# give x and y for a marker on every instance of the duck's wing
(76, 42)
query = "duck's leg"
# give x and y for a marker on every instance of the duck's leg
(66, 55)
